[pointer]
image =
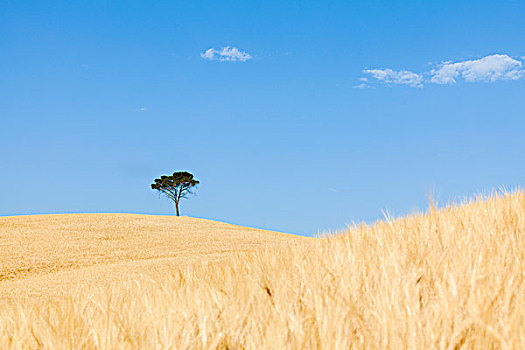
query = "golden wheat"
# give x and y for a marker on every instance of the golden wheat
(452, 278)
(51, 255)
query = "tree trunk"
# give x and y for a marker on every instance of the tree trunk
(177, 208)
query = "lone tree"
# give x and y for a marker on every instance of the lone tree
(175, 186)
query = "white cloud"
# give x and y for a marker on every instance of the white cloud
(209, 54)
(362, 86)
(403, 77)
(227, 53)
(488, 69)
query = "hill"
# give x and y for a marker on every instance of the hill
(51, 255)
(450, 278)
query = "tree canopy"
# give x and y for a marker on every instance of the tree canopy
(175, 186)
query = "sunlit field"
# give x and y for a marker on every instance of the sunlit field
(450, 278)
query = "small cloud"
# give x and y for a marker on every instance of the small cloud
(490, 68)
(209, 54)
(487, 69)
(143, 109)
(331, 189)
(226, 54)
(365, 80)
(362, 86)
(402, 77)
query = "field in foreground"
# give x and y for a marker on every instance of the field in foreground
(452, 278)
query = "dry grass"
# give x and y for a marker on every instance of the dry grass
(49, 255)
(448, 279)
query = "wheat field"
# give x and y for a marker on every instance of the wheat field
(450, 278)
(48, 256)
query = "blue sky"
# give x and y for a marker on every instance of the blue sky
(295, 116)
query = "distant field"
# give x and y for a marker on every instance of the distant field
(451, 278)
(50, 255)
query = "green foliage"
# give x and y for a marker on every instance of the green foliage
(176, 186)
